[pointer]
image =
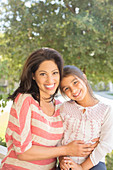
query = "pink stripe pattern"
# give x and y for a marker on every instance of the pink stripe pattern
(28, 126)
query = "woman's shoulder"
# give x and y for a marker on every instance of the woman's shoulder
(24, 98)
(57, 103)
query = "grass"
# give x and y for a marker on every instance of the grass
(3, 124)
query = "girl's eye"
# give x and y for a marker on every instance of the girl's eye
(66, 89)
(75, 82)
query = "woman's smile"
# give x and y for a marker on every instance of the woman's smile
(50, 87)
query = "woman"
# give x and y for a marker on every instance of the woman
(35, 126)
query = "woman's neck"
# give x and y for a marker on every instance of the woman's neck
(48, 107)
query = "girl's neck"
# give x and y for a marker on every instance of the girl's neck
(89, 102)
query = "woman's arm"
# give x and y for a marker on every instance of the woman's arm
(75, 148)
(40, 153)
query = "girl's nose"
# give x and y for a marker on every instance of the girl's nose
(73, 90)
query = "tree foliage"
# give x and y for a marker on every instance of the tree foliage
(82, 31)
(109, 161)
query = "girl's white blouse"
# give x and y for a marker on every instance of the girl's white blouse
(96, 121)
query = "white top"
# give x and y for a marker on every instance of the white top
(96, 121)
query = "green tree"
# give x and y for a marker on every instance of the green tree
(82, 31)
(109, 161)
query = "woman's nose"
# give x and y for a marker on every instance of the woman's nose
(50, 79)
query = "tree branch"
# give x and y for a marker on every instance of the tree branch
(71, 9)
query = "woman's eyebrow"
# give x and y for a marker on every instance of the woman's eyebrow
(55, 70)
(42, 71)
(51, 70)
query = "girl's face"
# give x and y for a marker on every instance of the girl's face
(47, 78)
(74, 88)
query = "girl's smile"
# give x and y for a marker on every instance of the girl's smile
(76, 94)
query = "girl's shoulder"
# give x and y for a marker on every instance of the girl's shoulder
(103, 105)
(67, 104)
(107, 111)
(104, 109)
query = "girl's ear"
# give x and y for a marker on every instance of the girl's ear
(85, 77)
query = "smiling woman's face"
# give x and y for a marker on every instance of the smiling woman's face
(47, 78)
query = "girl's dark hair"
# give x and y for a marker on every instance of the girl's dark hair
(75, 71)
(27, 84)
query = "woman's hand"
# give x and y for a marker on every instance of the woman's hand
(66, 163)
(95, 142)
(80, 149)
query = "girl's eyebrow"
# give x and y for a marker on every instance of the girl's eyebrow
(74, 79)
(71, 82)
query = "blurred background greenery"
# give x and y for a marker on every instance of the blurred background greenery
(82, 31)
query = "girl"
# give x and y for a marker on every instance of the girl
(84, 118)
(35, 126)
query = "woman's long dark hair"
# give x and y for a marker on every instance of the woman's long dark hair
(27, 84)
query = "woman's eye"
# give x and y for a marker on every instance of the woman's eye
(42, 74)
(56, 72)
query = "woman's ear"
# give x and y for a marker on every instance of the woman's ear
(33, 77)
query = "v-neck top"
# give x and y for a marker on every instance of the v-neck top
(96, 121)
(27, 126)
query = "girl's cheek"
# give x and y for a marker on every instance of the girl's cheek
(69, 95)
